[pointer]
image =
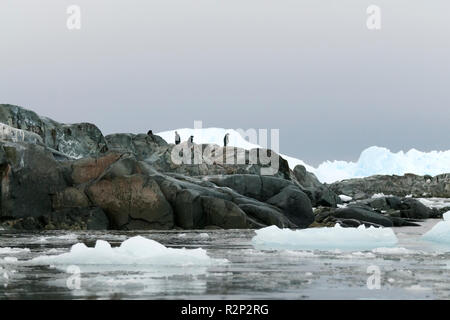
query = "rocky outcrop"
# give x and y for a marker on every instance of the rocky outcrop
(320, 194)
(381, 211)
(30, 176)
(408, 184)
(74, 140)
(57, 176)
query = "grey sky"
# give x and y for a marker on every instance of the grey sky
(310, 68)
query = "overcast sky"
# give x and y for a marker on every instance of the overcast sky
(309, 68)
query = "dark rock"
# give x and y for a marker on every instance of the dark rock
(74, 140)
(135, 197)
(223, 213)
(189, 210)
(363, 215)
(267, 215)
(295, 204)
(412, 208)
(30, 176)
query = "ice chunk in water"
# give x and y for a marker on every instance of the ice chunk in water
(337, 237)
(134, 251)
(440, 232)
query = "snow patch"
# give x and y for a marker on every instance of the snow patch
(336, 237)
(345, 198)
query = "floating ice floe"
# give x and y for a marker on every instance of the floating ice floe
(336, 237)
(393, 251)
(134, 251)
(8, 250)
(440, 233)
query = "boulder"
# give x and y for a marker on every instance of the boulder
(189, 210)
(295, 204)
(362, 215)
(129, 198)
(30, 177)
(412, 208)
(267, 215)
(70, 198)
(87, 169)
(223, 213)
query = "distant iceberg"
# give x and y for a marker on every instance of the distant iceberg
(373, 160)
(336, 237)
(134, 251)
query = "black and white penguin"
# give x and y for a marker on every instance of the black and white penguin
(226, 139)
(177, 138)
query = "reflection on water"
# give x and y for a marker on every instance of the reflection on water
(420, 270)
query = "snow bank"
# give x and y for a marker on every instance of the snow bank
(440, 233)
(360, 238)
(373, 160)
(134, 251)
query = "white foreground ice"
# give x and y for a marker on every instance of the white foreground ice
(134, 251)
(336, 237)
(373, 160)
(440, 233)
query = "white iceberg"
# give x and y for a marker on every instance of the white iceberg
(336, 237)
(373, 160)
(134, 251)
(440, 233)
(377, 160)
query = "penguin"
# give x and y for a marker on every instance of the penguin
(226, 139)
(177, 138)
(150, 132)
(191, 141)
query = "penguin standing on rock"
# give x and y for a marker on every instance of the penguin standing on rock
(191, 141)
(177, 138)
(226, 139)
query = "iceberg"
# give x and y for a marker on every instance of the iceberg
(336, 237)
(134, 251)
(373, 160)
(440, 233)
(378, 160)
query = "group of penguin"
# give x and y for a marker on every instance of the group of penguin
(226, 139)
